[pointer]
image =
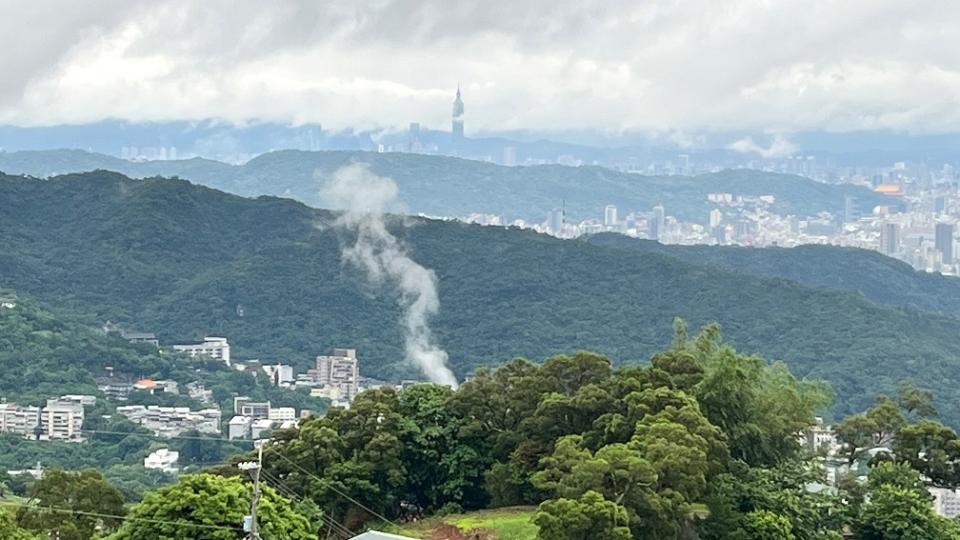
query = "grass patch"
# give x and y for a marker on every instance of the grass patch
(506, 523)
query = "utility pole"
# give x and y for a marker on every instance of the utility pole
(250, 524)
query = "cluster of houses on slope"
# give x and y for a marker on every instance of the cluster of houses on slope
(821, 438)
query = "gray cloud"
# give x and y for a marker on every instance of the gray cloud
(559, 64)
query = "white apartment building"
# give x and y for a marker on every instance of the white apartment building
(61, 420)
(244, 406)
(19, 419)
(81, 399)
(340, 370)
(282, 414)
(172, 421)
(946, 502)
(260, 427)
(820, 436)
(239, 427)
(280, 374)
(163, 459)
(213, 347)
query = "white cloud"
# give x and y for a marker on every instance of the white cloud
(669, 67)
(779, 147)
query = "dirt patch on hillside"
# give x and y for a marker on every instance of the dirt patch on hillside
(450, 532)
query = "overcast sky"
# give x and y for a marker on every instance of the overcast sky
(534, 64)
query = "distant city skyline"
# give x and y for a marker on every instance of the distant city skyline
(678, 69)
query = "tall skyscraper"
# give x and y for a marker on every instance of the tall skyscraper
(851, 209)
(457, 128)
(555, 220)
(943, 241)
(610, 216)
(890, 239)
(716, 217)
(414, 144)
(657, 222)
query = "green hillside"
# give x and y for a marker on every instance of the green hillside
(445, 186)
(179, 259)
(881, 279)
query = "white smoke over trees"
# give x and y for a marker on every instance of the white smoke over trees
(364, 197)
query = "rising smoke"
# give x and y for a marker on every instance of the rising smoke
(365, 196)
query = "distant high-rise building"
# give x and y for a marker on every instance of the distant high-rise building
(414, 144)
(939, 204)
(684, 163)
(509, 156)
(716, 216)
(719, 234)
(943, 241)
(851, 209)
(657, 222)
(457, 128)
(555, 221)
(339, 370)
(890, 239)
(610, 216)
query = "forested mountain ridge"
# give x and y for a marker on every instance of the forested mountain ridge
(446, 186)
(179, 259)
(881, 279)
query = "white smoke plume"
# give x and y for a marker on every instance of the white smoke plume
(365, 196)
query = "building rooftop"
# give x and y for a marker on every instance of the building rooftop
(374, 535)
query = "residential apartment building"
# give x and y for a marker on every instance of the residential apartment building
(243, 406)
(172, 421)
(339, 370)
(61, 420)
(19, 419)
(280, 374)
(216, 348)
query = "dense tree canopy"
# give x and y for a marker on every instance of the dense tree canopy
(72, 503)
(208, 507)
(91, 243)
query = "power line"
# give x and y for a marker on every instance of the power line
(331, 487)
(166, 437)
(122, 518)
(328, 520)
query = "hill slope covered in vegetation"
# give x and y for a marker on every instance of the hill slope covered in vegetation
(881, 279)
(183, 261)
(445, 186)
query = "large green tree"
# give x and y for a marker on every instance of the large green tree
(208, 507)
(74, 504)
(591, 517)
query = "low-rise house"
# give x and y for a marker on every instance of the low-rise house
(140, 337)
(197, 391)
(163, 459)
(216, 348)
(115, 390)
(239, 427)
(260, 428)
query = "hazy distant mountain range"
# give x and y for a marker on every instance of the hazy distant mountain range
(180, 260)
(444, 186)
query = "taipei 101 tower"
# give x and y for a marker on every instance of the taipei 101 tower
(457, 117)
